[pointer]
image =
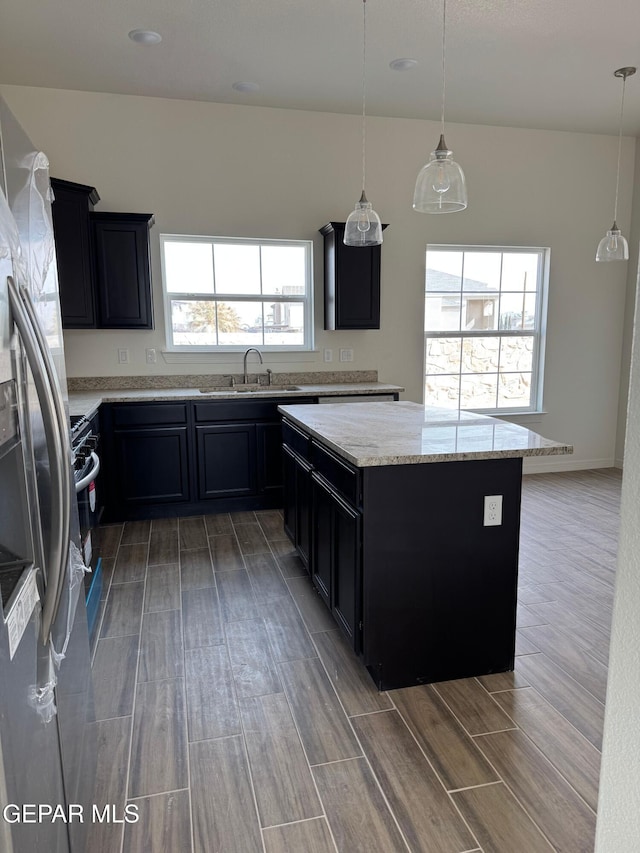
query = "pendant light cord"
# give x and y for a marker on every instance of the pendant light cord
(615, 206)
(444, 30)
(364, 87)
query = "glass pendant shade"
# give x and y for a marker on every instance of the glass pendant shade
(613, 246)
(363, 227)
(440, 186)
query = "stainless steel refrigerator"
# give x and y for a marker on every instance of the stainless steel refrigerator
(47, 729)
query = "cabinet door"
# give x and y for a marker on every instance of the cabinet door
(321, 539)
(226, 460)
(269, 442)
(123, 275)
(346, 586)
(70, 210)
(152, 465)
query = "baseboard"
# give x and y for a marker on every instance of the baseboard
(618, 463)
(548, 464)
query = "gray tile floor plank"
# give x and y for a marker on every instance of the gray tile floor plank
(193, 533)
(225, 552)
(163, 547)
(164, 824)
(212, 710)
(546, 796)
(355, 808)
(113, 738)
(288, 637)
(473, 707)
(499, 822)
(201, 618)
(162, 590)
(161, 652)
(266, 577)
(196, 569)
(315, 613)
(131, 563)
(284, 788)
(237, 601)
(253, 667)
(136, 531)
(114, 676)
(110, 537)
(453, 755)
(270, 520)
(218, 523)
(123, 612)
(159, 747)
(425, 813)
(251, 539)
(309, 836)
(350, 679)
(224, 816)
(323, 726)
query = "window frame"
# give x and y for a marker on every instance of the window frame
(306, 300)
(538, 333)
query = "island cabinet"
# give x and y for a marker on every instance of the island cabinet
(420, 588)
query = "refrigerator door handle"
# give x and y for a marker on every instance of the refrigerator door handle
(57, 446)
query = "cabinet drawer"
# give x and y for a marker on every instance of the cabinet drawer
(296, 440)
(243, 410)
(343, 478)
(149, 414)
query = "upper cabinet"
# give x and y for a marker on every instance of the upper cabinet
(103, 260)
(122, 269)
(71, 208)
(351, 282)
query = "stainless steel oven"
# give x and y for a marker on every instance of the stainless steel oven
(85, 446)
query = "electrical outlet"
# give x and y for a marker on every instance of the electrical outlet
(123, 356)
(151, 355)
(346, 354)
(492, 510)
(328, 355)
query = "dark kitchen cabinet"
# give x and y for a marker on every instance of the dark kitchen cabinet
(351, 282)
(297, 504)
(152, 465)
(226, 460)
(123, 270)
(269, 457)
(72, 204)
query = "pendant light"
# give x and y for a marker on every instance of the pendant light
(441, 187)
(363, 227)
(613, 246)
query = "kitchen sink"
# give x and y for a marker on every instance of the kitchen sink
(249, 389)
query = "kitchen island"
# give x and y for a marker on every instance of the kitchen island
(387, 506)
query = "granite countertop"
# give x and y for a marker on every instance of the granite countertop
(87, 402)
(404, 433)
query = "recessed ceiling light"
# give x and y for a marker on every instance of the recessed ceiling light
(145, 36)
(245, 86)
(403, 64)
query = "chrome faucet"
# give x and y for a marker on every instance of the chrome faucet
(257, 352)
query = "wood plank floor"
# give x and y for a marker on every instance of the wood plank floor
(231, 712)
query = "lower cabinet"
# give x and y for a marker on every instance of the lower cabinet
(297, 503)
(151, 465)
(226, 460)
(336, 560)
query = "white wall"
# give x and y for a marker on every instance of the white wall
(619, 801)
(247, 171)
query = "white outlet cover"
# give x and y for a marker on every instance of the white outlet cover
(492, 511)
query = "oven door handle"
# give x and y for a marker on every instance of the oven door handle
(93, 473)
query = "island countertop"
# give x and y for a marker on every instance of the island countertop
(405, 433)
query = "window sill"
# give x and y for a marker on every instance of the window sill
(522, 418)
(230, 356)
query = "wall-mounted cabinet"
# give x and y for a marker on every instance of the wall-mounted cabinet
(103, 261)
(351, 282)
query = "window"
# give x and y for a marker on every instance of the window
(232, 293)
(484, 327)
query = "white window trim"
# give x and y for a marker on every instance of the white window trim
(307, 300)
(542, 300)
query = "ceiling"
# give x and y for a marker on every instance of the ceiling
(522, 63)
